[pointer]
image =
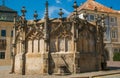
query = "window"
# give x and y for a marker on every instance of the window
(113, 20)
(114, 34)
(61, 44)
(11, 33)
(3, 18)
(107, 21)
(3, 33)
(2, 44)
(2, 55)
(92, 17)
(115, 50)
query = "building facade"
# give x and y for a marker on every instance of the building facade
(6, 27)
(112, 23)
(56, 46)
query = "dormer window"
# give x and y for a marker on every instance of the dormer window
(91, 17)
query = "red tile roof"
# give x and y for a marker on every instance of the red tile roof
(91, 4)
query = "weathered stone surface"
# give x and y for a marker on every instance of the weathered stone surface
(34, 63)
(64, 49)
(18, 64)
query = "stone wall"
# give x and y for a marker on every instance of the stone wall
(18, 63)
(34, 63)
(62, 62)
(86, 62)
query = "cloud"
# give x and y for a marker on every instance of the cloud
(54, 9)
(58, 1)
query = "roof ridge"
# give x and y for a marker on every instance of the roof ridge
(103, 6)
(91, 4)
(5, 8)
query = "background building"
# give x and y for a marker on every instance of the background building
(112, 23)
(6, 33)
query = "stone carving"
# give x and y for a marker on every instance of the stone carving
(55, 46)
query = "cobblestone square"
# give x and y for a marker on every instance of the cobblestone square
(113, 73)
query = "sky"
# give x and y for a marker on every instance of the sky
(54, 6)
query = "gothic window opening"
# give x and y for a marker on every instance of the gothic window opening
(42, 45)
(61, 44)
(68, 45)
(30, 46)
(64, 44)
(35, 46)
(53, 45)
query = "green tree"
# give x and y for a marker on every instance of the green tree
(116, 56)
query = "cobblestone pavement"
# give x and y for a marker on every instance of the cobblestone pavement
(115, 73)
(5, 74)
(109, 76)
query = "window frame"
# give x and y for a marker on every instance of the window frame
(92, 17)
(113, 19)
(2, 55)
(12, 33)
(114, 34)
(3, 33)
